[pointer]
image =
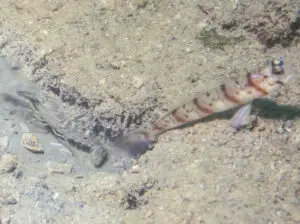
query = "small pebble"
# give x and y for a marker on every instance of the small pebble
(137, 82)
(141, 3)
(115, 65)
(150, 213)
(12, 202)
(79, 204)
(98, 156)
(188, 50)
(55, 196)
(59, 168)
(18, 174)
(135, 169)
(8, 163)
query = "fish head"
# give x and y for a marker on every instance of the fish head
(273, 77)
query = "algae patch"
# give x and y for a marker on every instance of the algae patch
(210, 38)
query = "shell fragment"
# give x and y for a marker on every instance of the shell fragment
(31, 142)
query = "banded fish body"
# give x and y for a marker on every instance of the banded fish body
(225, 97)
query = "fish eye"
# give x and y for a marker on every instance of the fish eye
(277, 68)
(277, 62)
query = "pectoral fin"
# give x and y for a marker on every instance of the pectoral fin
(241, 118)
